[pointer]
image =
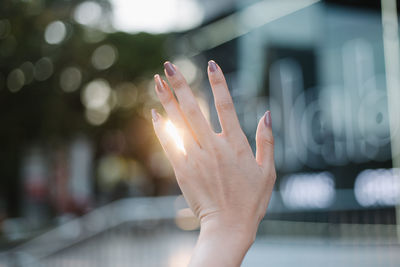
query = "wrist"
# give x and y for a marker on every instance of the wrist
(241, 232)
(222, 243)
(243, 228)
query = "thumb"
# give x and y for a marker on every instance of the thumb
(265, 143)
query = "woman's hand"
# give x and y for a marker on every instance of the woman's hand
(226, 187)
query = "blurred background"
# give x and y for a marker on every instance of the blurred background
(84, 181)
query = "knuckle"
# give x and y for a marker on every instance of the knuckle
(218, 154)
(269, 141)
(241, 150)
(179, 84)
(226, 105)
(191, 110)
(219, 81)
(236, 135)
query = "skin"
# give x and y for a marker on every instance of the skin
(225, 185)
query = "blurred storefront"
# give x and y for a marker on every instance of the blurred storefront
(319, 66)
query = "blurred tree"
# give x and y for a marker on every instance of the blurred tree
(46, 60)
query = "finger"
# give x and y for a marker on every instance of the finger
(265, 143)
(174, 112)
(175, 156)
(223, 100)
(188, 104)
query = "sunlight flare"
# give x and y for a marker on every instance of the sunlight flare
(174, 134)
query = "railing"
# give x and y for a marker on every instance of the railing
(144, 232)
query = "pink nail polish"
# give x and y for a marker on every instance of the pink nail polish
(212, 65)
(159, 85)
(154, 114)
(267, 119)
(169, 68)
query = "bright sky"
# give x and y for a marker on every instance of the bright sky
(156, 16)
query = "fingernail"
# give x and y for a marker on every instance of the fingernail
(212, 65)
(159, 85)
(267, 119)
(154, 114)
(169, 68)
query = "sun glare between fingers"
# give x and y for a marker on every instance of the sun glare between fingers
(174, 134)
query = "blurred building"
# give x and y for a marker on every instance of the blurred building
(319, 66)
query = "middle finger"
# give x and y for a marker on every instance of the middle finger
(188, 104)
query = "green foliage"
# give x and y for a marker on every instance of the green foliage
(40, 111)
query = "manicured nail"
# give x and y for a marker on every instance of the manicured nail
(212, 65)
(154, 114)
(159, 85)
(267, 119)
(169, 68)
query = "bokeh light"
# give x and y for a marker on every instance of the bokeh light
(186, 220)
(96, 94)
(97, 116)
(88, 13)
(126, 94)
(380, 187)
(156, 16)
(70, 79)
(92, 35)
(104, 57)
(111, 169)
(28, 69)
(55, 32)
(15, 80)
(98, 99)
(308, 190)
(43, 69)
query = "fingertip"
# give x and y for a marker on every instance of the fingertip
(215, 74)
(157, 78)
(169, 68)
(212, 66)
(265, 142)
(268, 119)
(264, 128)
(159, 85)
(174, 75)
(154, 115)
